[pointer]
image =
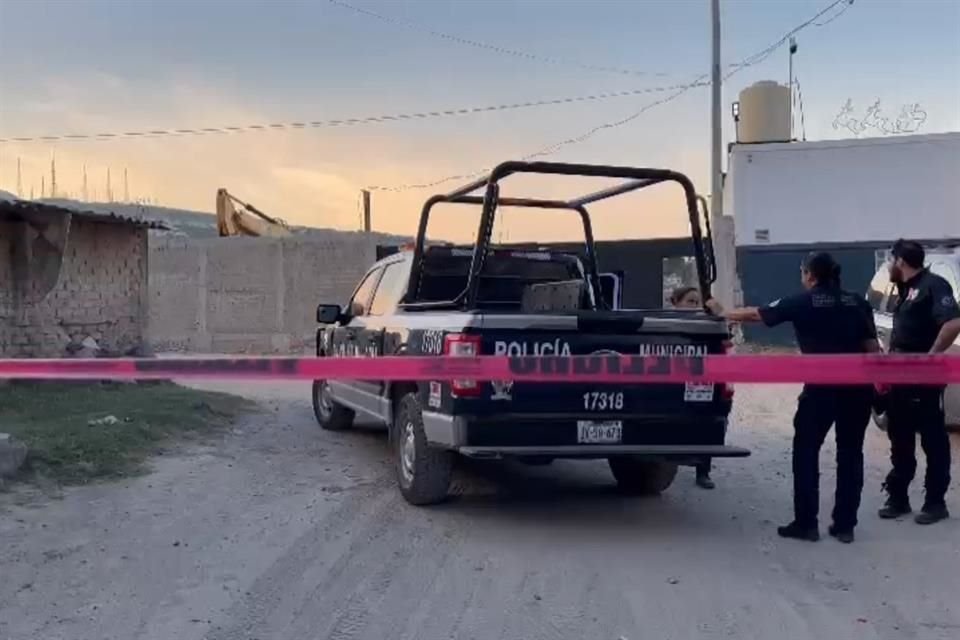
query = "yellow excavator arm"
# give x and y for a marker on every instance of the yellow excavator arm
(233, 222)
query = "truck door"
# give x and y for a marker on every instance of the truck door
(347, 342)
(380, 337)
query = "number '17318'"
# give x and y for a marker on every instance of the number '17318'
(603, 401)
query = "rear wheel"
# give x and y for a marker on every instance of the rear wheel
(423, 472)
(330, 415)
(637, 476)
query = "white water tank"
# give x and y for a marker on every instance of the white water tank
(764, 113)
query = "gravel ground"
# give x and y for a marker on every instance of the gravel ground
(280, 530)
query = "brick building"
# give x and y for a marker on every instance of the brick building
(71, 281)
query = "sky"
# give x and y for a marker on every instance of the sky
(90, 66)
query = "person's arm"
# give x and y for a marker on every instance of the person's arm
(871, 343)
(744, 314)
(777, 312)
(947, 315)
(948, 333)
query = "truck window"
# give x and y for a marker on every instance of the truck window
(390, 289)
(943, 269)
(878, 288)
(502, 283)
(359, 302)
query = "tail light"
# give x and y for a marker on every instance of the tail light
(459, 345)
(726, 388)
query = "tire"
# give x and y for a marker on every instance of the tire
(423, 472)
(642, 477)
(330, 415)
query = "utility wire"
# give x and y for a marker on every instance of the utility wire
(749, 61)
(763, 54)
(546, 150)
(849, 4)
(348, 122)
(494, 48)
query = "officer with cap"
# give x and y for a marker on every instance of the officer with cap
(827, 320)
(926, 319)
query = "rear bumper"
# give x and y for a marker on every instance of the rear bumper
(688, 436)
(679, 452)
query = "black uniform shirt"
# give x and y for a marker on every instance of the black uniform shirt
(826, 320)
(925, 302)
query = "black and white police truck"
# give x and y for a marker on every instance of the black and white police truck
(457, 302)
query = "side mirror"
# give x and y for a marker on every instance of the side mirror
(328, 313)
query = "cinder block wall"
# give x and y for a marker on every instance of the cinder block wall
(250, 295)
(98, 291)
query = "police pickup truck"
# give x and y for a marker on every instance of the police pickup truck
(456, 302)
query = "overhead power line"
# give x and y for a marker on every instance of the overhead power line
(749, 61)
(347, 122)
(517, 53)
(546, 150)
(849, 4)
(765, 53)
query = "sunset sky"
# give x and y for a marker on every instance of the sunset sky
(69, 67)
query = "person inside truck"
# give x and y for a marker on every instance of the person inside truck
(689, 298)
(826, 319)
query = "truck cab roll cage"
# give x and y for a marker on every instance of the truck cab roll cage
(635, 179)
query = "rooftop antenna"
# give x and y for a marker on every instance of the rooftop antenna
(126, 191)
(109, 190)
(85, 183)
(43, 187)
(19, 183)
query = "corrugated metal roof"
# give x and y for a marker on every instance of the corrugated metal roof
(23, 209)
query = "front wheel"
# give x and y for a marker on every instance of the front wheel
(423, 472)
(330, 415)
(637, 476)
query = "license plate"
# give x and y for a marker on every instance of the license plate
(698, 392)
(592, 432)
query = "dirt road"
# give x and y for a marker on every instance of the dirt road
(281, 531)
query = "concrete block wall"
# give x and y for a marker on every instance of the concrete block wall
(250, 295)
(99, 289)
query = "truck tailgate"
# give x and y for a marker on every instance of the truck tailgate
(622, 333)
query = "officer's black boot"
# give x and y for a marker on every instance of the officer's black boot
(843, 535)
(895, 507)
(704, 481)
(898, 504)
(932, 513)
(799, 532)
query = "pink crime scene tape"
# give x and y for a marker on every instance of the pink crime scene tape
(605, 368)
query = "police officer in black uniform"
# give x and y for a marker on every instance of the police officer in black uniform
(827, 320)
(926, 320)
